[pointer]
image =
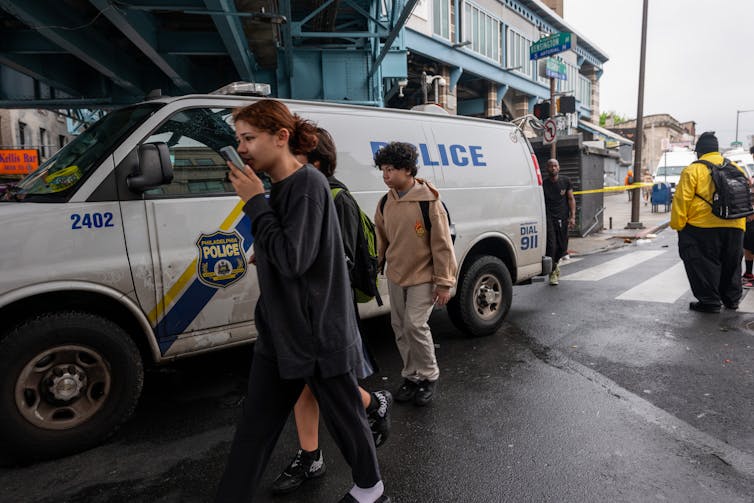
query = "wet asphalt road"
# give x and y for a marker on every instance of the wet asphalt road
(578, 398)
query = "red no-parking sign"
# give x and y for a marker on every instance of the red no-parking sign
(550, 133)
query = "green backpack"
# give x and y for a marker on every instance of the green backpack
(364, 271)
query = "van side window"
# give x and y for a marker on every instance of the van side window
(194, 138)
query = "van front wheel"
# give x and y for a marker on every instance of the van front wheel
(68, 380)
(483, 297)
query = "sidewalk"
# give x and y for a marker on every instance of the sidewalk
(618, 208)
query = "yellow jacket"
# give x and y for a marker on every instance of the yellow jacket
(689, 209)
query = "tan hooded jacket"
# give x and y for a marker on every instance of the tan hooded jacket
(414, 255)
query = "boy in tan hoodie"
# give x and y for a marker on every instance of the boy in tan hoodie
(421, 265)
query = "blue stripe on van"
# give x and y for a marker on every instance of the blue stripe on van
(194, 299)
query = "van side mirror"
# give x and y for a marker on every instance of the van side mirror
(152, 167)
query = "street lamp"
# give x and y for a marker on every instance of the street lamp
(739, 112)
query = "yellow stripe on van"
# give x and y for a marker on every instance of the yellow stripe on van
(189, 273)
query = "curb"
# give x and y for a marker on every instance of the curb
(654, 230)
(619, 241)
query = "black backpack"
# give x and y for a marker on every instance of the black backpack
(732, 198)
(424, 206)
(364, 271)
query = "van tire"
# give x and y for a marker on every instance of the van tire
(483, 297)
(68, 380)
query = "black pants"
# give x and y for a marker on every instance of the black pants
(267, 406)
(712, 258)
(557, 239)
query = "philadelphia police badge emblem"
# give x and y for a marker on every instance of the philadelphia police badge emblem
(222, 260)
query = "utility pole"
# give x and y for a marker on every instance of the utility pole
(553, 147)
(636, 198)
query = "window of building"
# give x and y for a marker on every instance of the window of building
(43, 141)
(61, 141)
(483, 30)
(518, 53)
(441, 18)
(21, 134)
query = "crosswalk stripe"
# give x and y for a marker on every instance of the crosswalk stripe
(614, 266)
(667, 287)
(747, 304)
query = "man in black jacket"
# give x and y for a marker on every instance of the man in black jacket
(560, 206)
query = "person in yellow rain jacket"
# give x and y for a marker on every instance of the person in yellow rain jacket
(711, 248)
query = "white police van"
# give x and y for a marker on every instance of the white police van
(129, 248)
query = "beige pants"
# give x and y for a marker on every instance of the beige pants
(410, 308)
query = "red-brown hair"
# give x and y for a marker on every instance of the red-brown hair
(271, 116)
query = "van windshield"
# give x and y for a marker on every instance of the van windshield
(669, 170)
(58, 177)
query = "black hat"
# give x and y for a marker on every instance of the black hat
(707, 143)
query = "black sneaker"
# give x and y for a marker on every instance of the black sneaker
(425, 392)
(704, 308)
(407, 391)
(379, 418)
(302, 468)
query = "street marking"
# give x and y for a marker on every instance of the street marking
(667, 286)
(747, 303)
(614, 266)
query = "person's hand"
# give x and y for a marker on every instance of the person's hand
(246, 183)
(750, 218)
(442, 295)
(572, 222)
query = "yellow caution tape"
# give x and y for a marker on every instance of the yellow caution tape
(619, 188)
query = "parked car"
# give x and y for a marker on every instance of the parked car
(670, 166)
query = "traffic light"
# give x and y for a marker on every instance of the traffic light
(542, 110)
(567, 105)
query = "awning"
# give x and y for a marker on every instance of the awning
(610, 138)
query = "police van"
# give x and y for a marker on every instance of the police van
(129, 248)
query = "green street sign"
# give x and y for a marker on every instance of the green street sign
(555, 69)
(555, 43)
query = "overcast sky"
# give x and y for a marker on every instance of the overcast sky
(700, 59)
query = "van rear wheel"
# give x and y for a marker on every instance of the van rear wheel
(483, 297)
(68, 380)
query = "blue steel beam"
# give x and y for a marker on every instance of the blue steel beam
(177, 5)
(230, 29)
(141, 29)
(191, 43)
(86, 45)
(394, 32)
(27, 42)
(367, 15)
(296, 31)
(55, 72)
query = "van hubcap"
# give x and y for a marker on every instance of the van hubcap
(487, 296)
(62, 387)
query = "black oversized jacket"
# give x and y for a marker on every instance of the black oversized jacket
(305, 316)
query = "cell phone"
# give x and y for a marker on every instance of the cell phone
(230, 154)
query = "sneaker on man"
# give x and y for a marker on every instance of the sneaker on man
(748, 284)
(305, 466)
(425, 392)
(379, 418)
(554, 278)
(406, 392)
(747, 278)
